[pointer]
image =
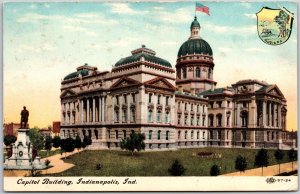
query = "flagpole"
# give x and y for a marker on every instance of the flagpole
(195, 8)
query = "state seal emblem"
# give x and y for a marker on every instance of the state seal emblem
(274, 26)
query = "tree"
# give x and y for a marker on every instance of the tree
(134, 142)
(67, 145)
(176, 168)
(56, 141)
(214, 170)
(9, 139)
(240, 163)
(279, 156)
(87, 140)
(292, 156)
(262, 159)
(36, 139)
(48, 143)
(78, 143)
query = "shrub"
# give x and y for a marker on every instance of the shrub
(99, 166)
(9, 139)
(56, 141)
(176, 168)
(214, 170)
(240, 163)
(134, 142)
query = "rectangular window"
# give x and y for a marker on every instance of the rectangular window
(116, 134)
(179, 119)
(124, 118)
(185, 106)
(197, 134)
(124, 134)
(192, 134)
(198, 121)
(150, 98)
(158, 99)
(167, 100)
(133, 98)
(166, 117)
(167, 135)
(198, 108)
(158, 116)
(185, 119)
(185, 135)
(125, 98)
(203, 135)
(150, 134)
(108, 134)
(158, 135)
(219, 104)
(211, 104)
(178, 134)
(228, 104)
(192, 107)
(203, 121)
(178, 105)
(133, 115)
(192, 120)
(117, 100)
(116, 115)
(149, 116)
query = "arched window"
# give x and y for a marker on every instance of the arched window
(167, 135)
(167, 117)
(184, 73)
(124, 118)
(116, 116)
(197, 134)
(185, 135)
(198, 72)
(158, 134)
(192, 134)
(133, 115)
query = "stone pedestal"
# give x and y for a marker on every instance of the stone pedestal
(21, 158)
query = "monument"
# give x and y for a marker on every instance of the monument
(21, 158)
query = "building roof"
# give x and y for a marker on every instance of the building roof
(143, 54)
(211, 92)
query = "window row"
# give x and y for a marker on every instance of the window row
(124, 98)
(158, 135)
(159, 99)
(192, 134)
(124, 115)
(218, 119)
(220, 104)
(191, 107)
(158, 117)
(197, 73)
(192, 121)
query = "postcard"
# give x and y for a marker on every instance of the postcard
(150, 96)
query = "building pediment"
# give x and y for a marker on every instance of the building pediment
(271, 90)
(68, 93)
(124, 82)
(161, 83)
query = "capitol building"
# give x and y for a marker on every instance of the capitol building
(174, 107)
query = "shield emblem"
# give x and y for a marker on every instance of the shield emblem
(274, 26)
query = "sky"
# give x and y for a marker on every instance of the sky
(43, 42)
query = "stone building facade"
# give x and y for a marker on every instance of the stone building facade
(173, 109)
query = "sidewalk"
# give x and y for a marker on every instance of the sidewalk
(268, 171)
(56, 161)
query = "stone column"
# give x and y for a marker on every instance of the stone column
(279, 115)
(102, 108)
(81, 110)
(275, 114)
(264, 114)
(94, 108)
(99, 110)
(238, 117)
(88, 110)
(270, 111)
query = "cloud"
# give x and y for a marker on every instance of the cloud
(238, 30)
(181, 15)
(80, 29)
(225, 49)
(250, 15)
(124, 9)
(37, 49)
(246, 5)
(254, 49)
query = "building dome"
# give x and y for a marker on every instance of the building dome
(195, 46)
(143, 54)
(195, 23)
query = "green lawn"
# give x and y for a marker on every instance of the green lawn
(120, 163)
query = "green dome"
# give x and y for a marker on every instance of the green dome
(195, 23)
(195, 46)
(76, 74)
(148, 56)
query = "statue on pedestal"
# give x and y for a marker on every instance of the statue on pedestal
(24, 118)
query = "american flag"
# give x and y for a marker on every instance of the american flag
(202, 8)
